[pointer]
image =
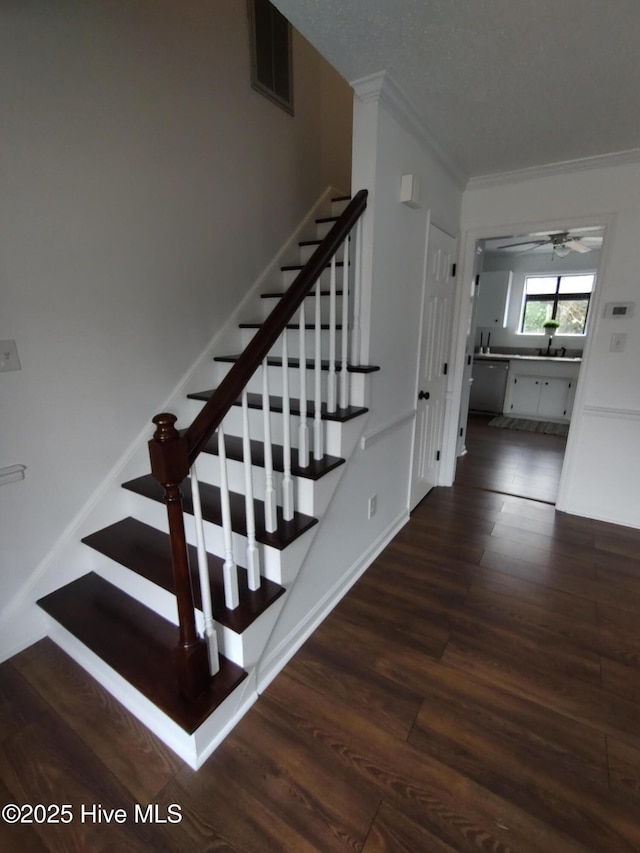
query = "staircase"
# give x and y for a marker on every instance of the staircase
(175, 623)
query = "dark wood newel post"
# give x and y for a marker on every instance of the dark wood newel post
(170, 467)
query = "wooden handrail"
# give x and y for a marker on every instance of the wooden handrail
(173, 453)
(210, 417)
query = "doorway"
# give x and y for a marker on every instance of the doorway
(432, 373)
(515, 421)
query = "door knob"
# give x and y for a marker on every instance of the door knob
(424, 395)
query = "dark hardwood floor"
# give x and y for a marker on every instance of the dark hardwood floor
(527, 464)
(477, 690)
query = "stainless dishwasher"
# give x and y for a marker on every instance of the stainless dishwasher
(489, 386)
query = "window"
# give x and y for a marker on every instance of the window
(564, 298)
(271, 53)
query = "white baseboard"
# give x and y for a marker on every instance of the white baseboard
(594, 512)
(209, 748)
(277, 659)
(11, 648)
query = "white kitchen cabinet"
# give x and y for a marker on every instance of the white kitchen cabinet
(525, 395)
(555, 395)
(493, 299)
(538, 389)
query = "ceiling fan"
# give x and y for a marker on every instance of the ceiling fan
(562, 243)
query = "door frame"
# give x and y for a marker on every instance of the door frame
(447, 401)
(462, 318)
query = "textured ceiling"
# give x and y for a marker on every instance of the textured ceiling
(500, 84)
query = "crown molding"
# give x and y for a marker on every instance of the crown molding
(566, 167)
(381, 87)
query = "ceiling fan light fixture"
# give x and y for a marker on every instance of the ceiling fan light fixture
(561, 251)
(577, 246)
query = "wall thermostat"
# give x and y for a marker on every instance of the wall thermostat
(619, 309)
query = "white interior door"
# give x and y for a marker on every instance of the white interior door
(433, 363)
(471, 286)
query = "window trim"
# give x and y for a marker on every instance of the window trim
(555, 298)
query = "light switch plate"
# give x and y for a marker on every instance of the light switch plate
(618, 342)
(9, 356)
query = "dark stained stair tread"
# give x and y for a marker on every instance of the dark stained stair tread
(285, 534)
(295, 364)
(275, 403)
(147, 552)
(291, 267)
(137, 643)
(327, 219)
(309, 326)
(314, 471)
(280, 293)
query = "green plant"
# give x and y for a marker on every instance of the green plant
(551, 324)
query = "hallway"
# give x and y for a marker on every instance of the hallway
(477, 689)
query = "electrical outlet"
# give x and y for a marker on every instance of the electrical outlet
(9, 356)
(373, 506)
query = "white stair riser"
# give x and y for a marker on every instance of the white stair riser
(309, 495)
(274, 563)
(268, 305)
(293, 337)
(306, 252)
(338, 207)
(245, 649)
(153, 596)
(233, 426)
(233, 646)
(209, 472)
(276, 381)
(289, 276)
(322, 229)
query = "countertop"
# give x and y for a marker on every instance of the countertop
(499, 356)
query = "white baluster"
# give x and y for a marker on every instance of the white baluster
(355, 333)
(344, 374)
(270, 511)
(318, 449)
(253, 555)
(203, 572)
(331, 381)
(287, 482)
(230, 570)
(303, 429)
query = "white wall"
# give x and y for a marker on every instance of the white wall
(385, 147)
(602, 465)
(522, 266)
(145, 185)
